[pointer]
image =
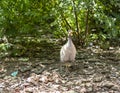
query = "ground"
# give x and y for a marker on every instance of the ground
(95, 71)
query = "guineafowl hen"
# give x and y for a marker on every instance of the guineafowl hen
(68, 51)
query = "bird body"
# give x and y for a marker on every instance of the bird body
(68, 51)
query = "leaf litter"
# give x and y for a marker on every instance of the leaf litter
(94, 72)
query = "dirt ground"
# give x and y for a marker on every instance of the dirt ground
(94, 71)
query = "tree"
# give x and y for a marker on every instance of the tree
(90, 19)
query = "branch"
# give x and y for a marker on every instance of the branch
(76, 16)
(64, 19)
(87, 25)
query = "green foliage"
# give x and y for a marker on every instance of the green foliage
(84, 16)
(27, 17)
(91, 20)
(4, 47)
(33, 17)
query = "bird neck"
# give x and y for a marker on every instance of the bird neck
(69, 40)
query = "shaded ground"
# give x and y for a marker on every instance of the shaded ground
(95, 71)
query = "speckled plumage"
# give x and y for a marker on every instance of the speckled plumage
(68, 51)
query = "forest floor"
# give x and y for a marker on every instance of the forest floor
(95, 71)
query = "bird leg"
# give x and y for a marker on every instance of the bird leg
(67, 65)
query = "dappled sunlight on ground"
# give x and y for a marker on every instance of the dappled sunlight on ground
(95, 71)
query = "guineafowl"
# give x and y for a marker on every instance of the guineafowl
(68, 51)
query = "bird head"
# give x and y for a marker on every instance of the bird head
(70, 33)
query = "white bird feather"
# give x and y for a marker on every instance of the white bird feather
(68, 51)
